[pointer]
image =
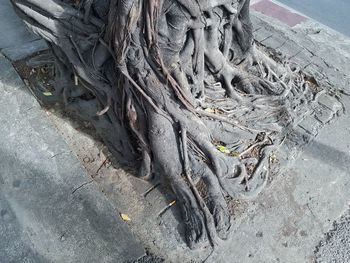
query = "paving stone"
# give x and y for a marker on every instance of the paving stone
(310, 125)
(13, 30)
(330, 102)
(319, 61)
(302, 58)
(324, 114)
(9, 81)
(255, 21)
(295, 139)
(308, 44)
(274, 41)
(5, 68)
(289, 49)
(262, 34)
(315, 71)
(333, 61)
(25, 50)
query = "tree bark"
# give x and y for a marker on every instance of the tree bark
(178, 89)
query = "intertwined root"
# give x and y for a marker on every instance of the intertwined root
(205, 212)
(178, 88)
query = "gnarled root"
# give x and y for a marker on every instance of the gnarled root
(178, 89)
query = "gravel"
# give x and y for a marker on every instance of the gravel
(335, 247)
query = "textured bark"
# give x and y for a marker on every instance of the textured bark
(178, 89)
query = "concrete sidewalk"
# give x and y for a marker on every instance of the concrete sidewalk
(50, 209)
(290, 221)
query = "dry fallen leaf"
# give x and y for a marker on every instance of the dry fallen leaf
(210, 110)
(125, 217)
(47, 93)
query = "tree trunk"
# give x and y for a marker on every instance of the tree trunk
(178, 89)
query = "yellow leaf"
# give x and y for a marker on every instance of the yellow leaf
(223, 149)
(47, 93)
(210, 110)
(125, 217)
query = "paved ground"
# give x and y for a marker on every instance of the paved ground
(16, 41)
(315, 192)
(334, 14)
(336, 245)
(50, 209)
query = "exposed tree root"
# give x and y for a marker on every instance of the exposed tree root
(177, 88)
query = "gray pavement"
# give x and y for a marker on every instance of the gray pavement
(336, 246)
(16, 42)
(50, 209)
(12, 29)
(291, 220)
(333, 13)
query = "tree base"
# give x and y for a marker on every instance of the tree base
(185, 96)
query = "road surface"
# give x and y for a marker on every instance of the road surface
(333, 13)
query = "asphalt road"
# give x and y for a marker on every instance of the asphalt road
(333, 13)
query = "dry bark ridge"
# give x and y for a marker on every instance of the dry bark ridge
(177, 88)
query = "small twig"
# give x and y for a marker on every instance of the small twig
(76, 189)
(103, 163)
(150, 189)
(59, 154)
(197, 150)
(221, 118)
(251, 147)
(282, 141)
(185, 155)
(76, 80)
(166, 208)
